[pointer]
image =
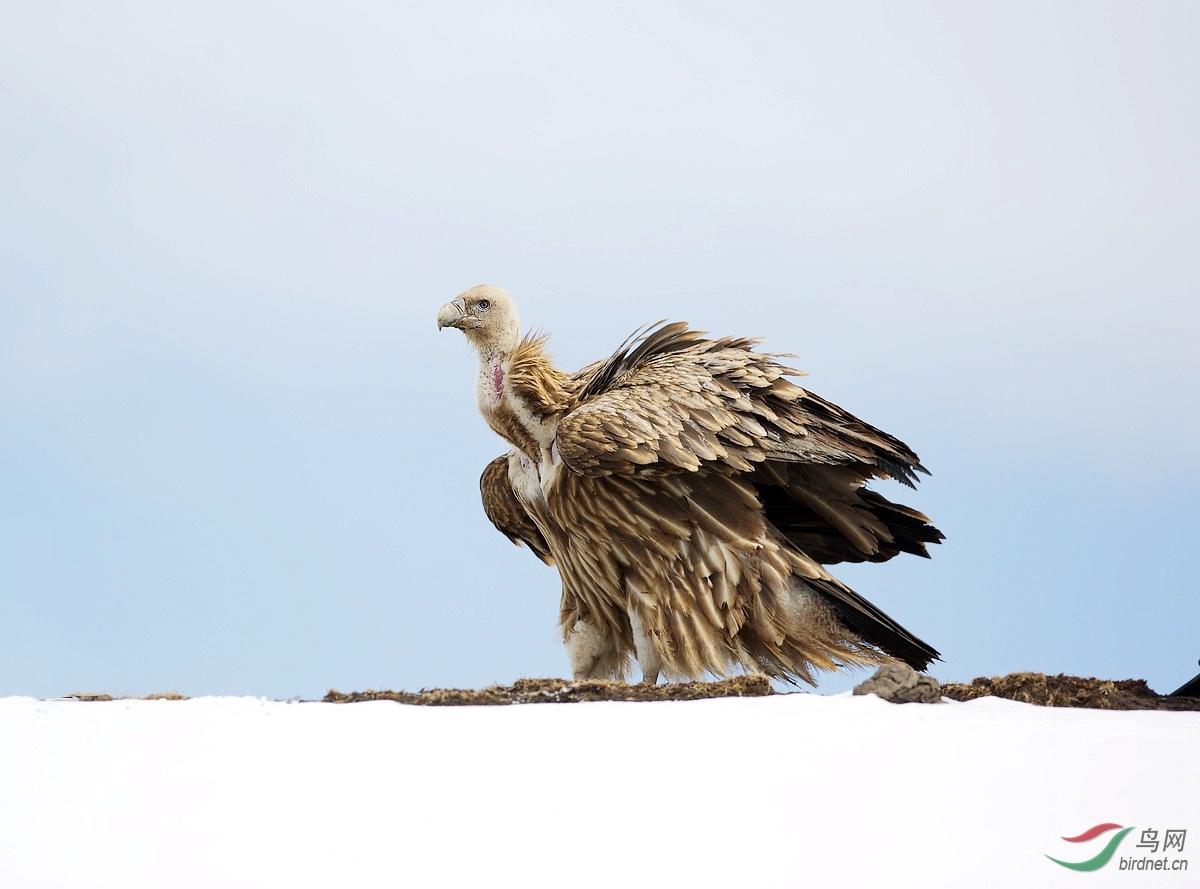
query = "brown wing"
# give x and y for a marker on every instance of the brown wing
(674, 401)
(506, 512)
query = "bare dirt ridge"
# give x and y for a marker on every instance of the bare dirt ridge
(1029, 688)
(565, 691)
(157, 696)
(1069, 691)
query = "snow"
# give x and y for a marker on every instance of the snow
(782, 791)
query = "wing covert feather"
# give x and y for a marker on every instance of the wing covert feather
(690, 402)
(505, 511)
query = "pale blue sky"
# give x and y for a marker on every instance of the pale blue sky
(237, 457)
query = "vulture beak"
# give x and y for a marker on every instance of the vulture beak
(452, 313)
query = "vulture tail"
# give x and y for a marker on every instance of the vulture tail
(873, 626)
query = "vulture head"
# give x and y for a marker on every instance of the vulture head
(486, 314)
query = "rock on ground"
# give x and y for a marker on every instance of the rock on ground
(901, 684)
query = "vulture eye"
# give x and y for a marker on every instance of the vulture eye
(484, 304)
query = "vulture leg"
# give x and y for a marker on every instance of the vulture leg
(589, 651)
(647, 657)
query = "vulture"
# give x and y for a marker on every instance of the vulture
(690, 496)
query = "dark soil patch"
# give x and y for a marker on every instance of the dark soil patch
(1069, 691)
(565, 691)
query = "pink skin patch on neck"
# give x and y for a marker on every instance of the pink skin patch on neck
(498, 378)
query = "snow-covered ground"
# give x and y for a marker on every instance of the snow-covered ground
(799, 790)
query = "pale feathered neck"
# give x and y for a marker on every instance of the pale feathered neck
(522, 394)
